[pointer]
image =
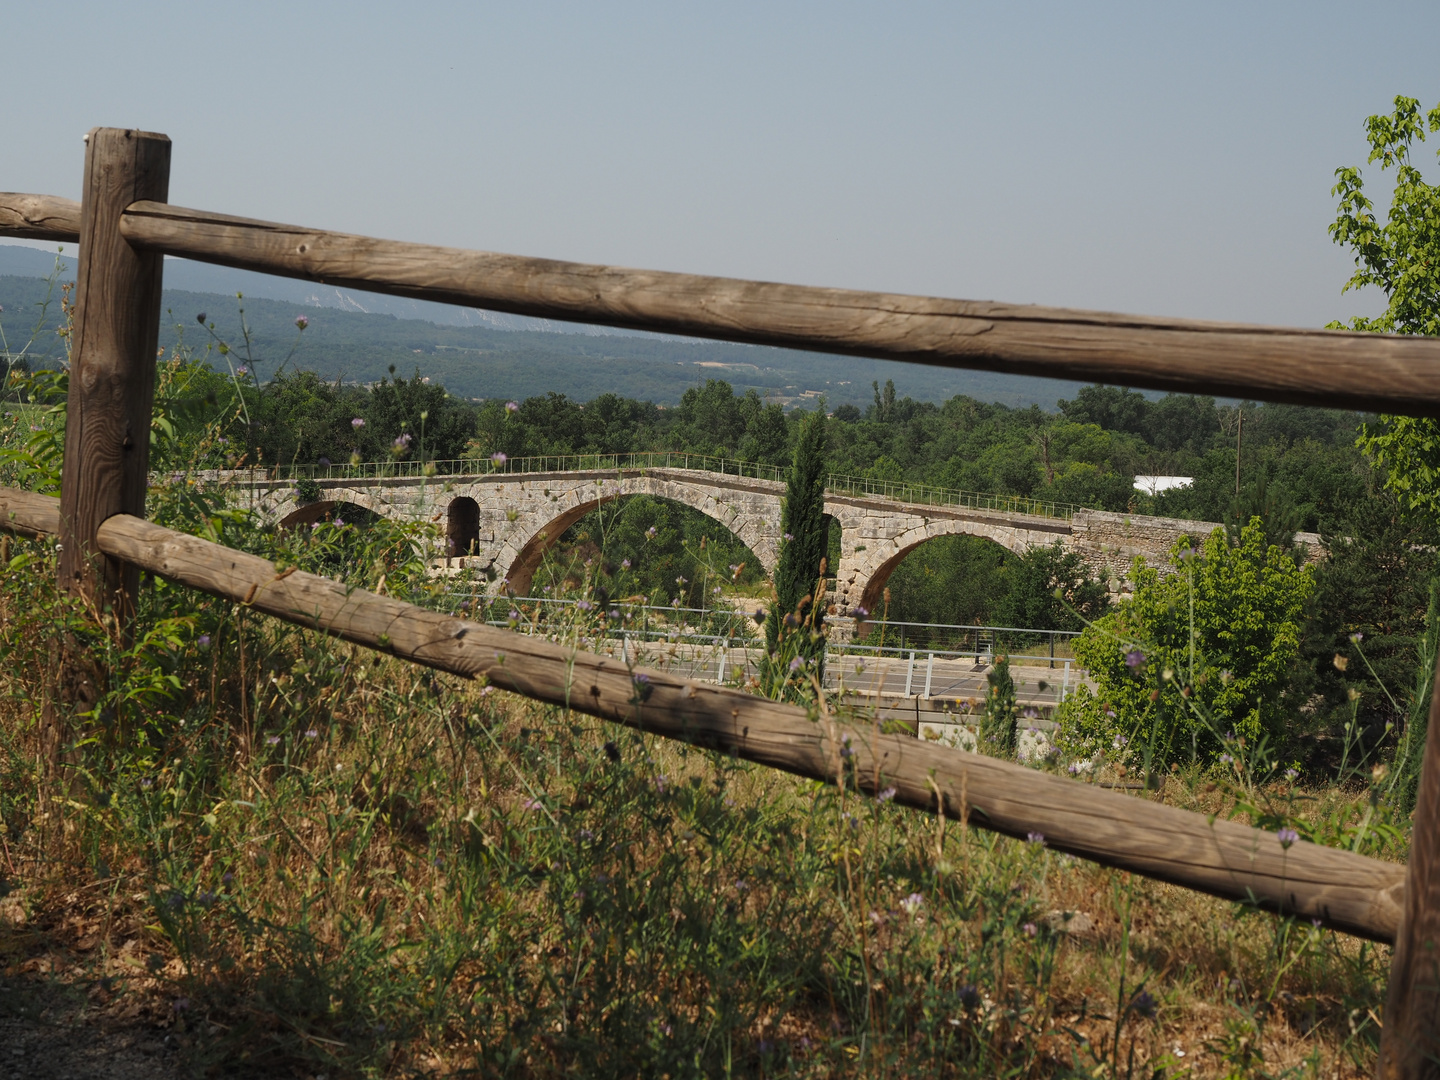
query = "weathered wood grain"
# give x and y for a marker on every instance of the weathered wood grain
(39, 217)
(1346, 891)
(1310, 367)
(28, 514)
(112, 375)
(1410, 1039)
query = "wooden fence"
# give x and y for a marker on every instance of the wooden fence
(124, 226)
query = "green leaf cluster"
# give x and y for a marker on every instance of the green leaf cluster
(1196, 655)
(1401, 256)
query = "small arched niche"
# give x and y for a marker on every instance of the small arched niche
(462, 526)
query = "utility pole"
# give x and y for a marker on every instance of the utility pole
(1239, 429)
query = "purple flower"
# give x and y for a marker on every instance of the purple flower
(242, 370)
(1226, 759)
(498, 458)
(358, 422)
(271, 740)
(1030, 929)
(913, 903)
(1134, 658)
(789, 536)
(624, 564)
(301, 321)
(1287, 836)
(512, 406)
(859, 612)
(886, 795)
(312, 733)
(1143, 1004)
(795, 664)
(203, 641)
(402, 440)
(533, 804)
(650, 533)
(1357, 637)
(200, 318)
(1035, 838)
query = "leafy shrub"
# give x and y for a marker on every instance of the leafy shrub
(1195, 655)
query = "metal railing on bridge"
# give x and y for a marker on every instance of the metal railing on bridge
(903, 491)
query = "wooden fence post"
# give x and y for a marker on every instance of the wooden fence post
(1410, 1039)
(112, 384)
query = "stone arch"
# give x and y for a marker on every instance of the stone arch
(872, 590)
(462, 526)
(290, 512)
(530, 550)
(323, 510)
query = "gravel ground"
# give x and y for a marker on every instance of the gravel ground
(50, 1032)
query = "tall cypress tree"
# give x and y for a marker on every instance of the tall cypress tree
(806, 541)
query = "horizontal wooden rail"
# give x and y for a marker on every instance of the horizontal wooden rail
(29, 514)
(1346, 891)
(1337, 369)
(39, 217)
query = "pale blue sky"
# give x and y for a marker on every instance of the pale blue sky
(1148, 157)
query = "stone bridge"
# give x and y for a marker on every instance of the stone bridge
(505, 522)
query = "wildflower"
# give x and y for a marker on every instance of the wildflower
(200, 318)
(886, 795)
(845, 750)
(859, 612)
(181, 1004)
(339, 523)
(1035, 838)
(1030, 929)
(512, 406)
(1134, 659)
(969, 997)
(650, 533)
(1030, 712)
(242, 370)
(498, 458)
(585, 834)
(662, 784)
(533, 804)
(795, 664)
(1291, 774)
(271, 740)
(1356, 638)
(203, 641)
(301, 321)
(624, 564)
(741, 885)
(912, 903)
(358, 422)
(1226, 759)
(312, 733)
(641, 683)
(584, 605)
(402, 440)
(789, 536)
(612, 751)
(1143, 1005)
(1287, 836)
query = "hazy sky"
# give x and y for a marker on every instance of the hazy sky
(1160, 158)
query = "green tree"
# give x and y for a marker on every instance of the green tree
(1402, 258)
(1196, 655)
(1051, 589)
(795, 627)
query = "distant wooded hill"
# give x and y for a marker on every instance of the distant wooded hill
(484, 354)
